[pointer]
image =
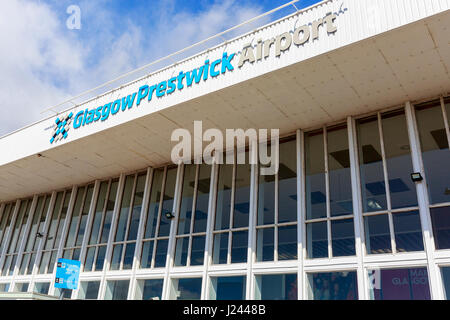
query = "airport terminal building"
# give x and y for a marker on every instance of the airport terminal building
(360, 205)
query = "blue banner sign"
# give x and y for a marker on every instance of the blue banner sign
(67, 274)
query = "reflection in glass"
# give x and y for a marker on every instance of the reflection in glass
(228, 288)
(287, 243)
(186, 289)
(445, 271)
(95, 230)
(408, 231)
(398, 160)
(440, 218)
(137, 205)
(242, 195)
(89, 290)
(129, 255)
(339, 172)
(220, 250)
(116, 257)
(161, 253)
(343, 238)
(239, 246)
(150, 289)
(317, 240)
(117, 290)
(167, 204)
(378, 237)
(276, 287)
(124, 209)
(435, 150)
(181, 251)
(266, 200)
(223, 205)
(198, 251)
(373, 189)
(100, 258)
(399, 284)
(287, 182)
(147, 253)
(333, 286)
(315, 175)
(265, 244)
(41, 287)
(153, 207)
(201, 206)
(185, 215)
(109, 211)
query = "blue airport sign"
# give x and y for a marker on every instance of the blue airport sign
(67, 274)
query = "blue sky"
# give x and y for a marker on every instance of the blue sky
(47, 63)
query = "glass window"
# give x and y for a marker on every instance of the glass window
(117, 289)
(41, 287)
(408, 231)
(220, 252)
(228, 288)
(399, 284)
(22, 287)
(378, 236)
(328, 193)
(265, 244)
(445, 279)
(435, 149)
(333, 286)
(287, 243)
(4, 287)
(150, 289)
(276, 287)
(66, 293)
(239, 246)
(186, 289)
(89, 290)
(440, 218)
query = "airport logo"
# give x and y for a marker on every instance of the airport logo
(60, 131)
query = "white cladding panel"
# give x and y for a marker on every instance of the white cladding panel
(357, 20)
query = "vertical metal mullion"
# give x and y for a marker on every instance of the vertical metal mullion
(386, 182)
(233, 191)
(436, 287)
(357, 209)
(209, 239)
(445, 116)
(158, 218)
(301, 213)
(252, 214)
(277, 213)
(327, 191)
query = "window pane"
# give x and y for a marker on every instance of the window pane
(186, 289)
(90, 255)
(398, 160)
(22, 287)
(98, 213)
(287, 182)
(161, 253)
(167, 206)
(4, 287)
(184, 221)
(242, 195)
(100, 258)
(239, 246)
(149, 289)
(266, 200)
(315, 176)
(343, 238)
(333, 286)
(198, 251)
(408, 231)
(373, 189)
(265, 244)
(435, 151)
(378, 237)
(440, 218)
(153, 208)
(287, 243)
(201, 207)
(116, 257)
(224, 197)
(117, 290)
(89, 290)
(41, 287)
(181, 251)
(339, 172)
(400, 284)
(228, 288)
(137, 205)
(129, 255)
(70, 240)
(147, 253)
(276, 287)
(220, 251)
(317, 240)
(109, 211)
(446, 280)
(124, 209)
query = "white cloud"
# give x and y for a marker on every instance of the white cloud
(41, 63)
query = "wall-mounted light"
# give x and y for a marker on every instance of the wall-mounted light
(169, 215)
(416, 177)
